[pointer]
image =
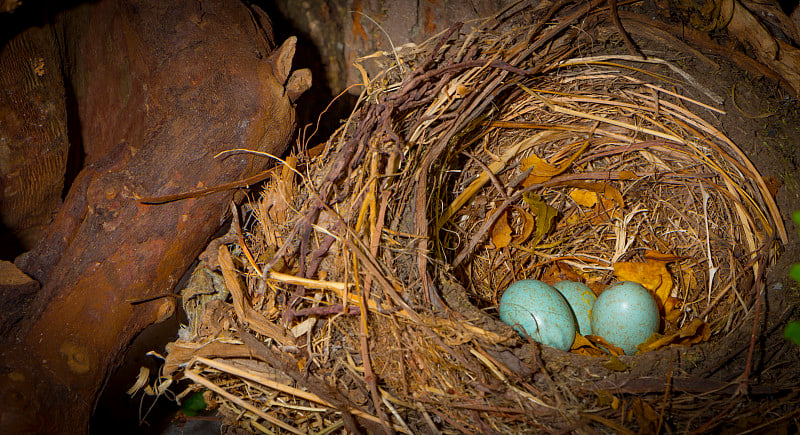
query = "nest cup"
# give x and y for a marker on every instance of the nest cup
(475, 159)
(596, 178)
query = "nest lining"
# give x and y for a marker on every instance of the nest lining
(383, 272)
(655, 200)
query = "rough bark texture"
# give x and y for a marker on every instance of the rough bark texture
(161, 88)
(33, 135)
(344, 31)
(16, 289)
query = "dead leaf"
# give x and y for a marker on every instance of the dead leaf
(773, 185)
(528, 224)
(658, 256)
(615, 364)
(672, 313)
(606, 398)
(544, 215)
(697, 331)
(606, 210)
(584, 197)
(501, 232)
(560, 271)
(612, 192)
(652, 275)
(600, 341)
(646, 416)
(573, 218)
(582, 346)
(604, 189)
(542, 170)
(581, 341)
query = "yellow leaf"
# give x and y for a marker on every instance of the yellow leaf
(582, 346)
(501, 232)
(542, 170)
(573, 219)
(600, 341)
(652, 275)
(606, 190)
(697, 331)
(672, 314)
(544, 215)
(581, 341)
(611, 192)
(584, 197)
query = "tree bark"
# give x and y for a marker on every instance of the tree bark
(161, 89)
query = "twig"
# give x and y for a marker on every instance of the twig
(317, 386)
(612, 5)
(235, 399)
(247, 182)
(497, 184)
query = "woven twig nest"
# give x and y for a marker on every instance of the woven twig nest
(475, 160)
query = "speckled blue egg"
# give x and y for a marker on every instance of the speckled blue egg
(581, 299)
(625, 315)
(541, 311)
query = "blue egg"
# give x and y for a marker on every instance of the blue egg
(625, 315)
(581, 299)
(539, 310)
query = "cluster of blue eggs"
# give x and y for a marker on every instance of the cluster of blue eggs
(625, 314)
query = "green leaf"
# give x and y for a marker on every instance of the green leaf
(615, 364)
(796, 218)
(794, 272)
(544, 215)
(194, 404)
(792, 332)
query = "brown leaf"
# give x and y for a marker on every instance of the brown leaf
(697, 331)
(646, 416)
(501, 232)
(542, 170)
(582, 346)
(604, 189)
(600, 341)
(559, 271)
(606, 398)
(773, 184)
(528, 224)
(670, 309)
(658, 256)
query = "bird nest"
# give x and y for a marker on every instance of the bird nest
(362, 290)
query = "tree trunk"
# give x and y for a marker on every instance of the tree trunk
(161, 88)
